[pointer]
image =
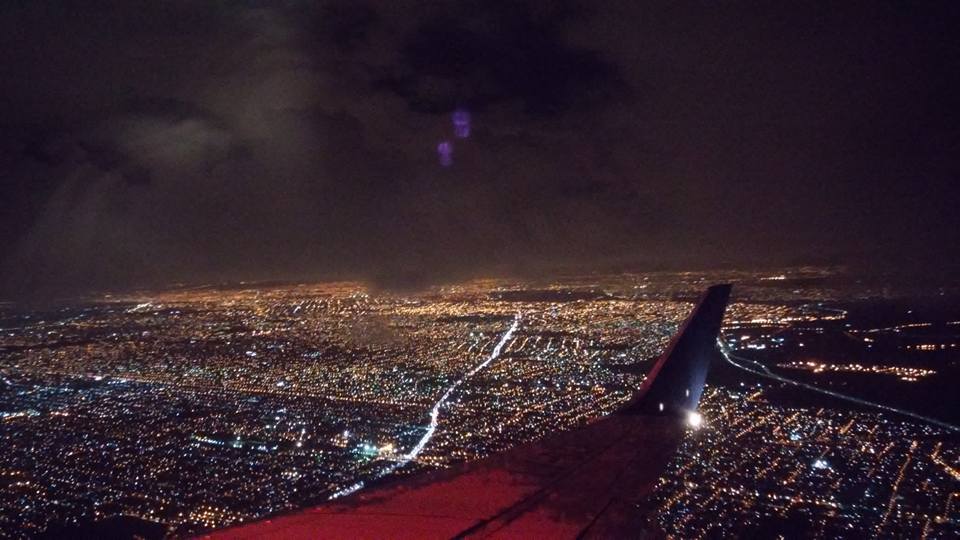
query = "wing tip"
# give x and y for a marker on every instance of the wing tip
(675, 382)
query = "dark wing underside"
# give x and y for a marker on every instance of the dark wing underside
(589, 482)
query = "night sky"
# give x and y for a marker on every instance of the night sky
(145, 143)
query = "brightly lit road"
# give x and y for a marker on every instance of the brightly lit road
(435, 413)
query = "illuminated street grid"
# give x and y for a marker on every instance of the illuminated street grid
(203, 408)
(759, 470)
(208, 407)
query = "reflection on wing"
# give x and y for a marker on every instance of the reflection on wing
(589, 482)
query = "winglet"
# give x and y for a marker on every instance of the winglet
(675, 383)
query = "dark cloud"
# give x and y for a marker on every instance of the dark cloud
(484, 53)
(344, 24)
(145, 143)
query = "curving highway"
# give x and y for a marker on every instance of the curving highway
(763, 371)
(435, 413)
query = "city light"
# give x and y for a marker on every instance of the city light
(106, 410)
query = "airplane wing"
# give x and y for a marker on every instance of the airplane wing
(585, 483)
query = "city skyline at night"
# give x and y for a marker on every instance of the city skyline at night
(526, 268)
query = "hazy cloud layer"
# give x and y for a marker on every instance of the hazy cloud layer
(147, 143)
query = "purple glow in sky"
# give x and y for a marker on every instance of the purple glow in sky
(461, 123)
(445, 153)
